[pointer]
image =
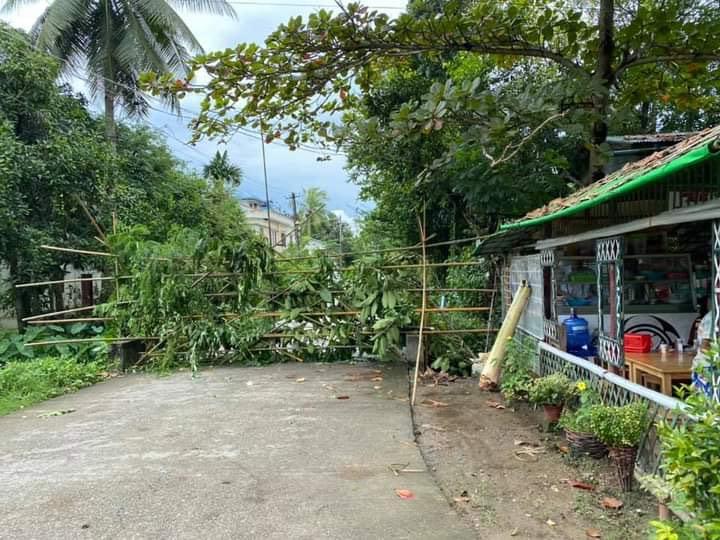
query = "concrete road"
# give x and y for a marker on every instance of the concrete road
(233, 453)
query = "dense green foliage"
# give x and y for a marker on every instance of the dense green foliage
(27, 382)
(13, 346)
(580, 416)
(55, 165)
(620, 427)
(691, 461)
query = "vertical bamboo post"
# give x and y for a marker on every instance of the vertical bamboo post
(422, 309)
(117, 265)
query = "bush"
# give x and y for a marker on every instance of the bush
(619, 427)
(25, 383)
(691, 462)
(517, 373)
(553, 389)
(581, 420)
(13, 346)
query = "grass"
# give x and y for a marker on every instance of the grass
(28, 382)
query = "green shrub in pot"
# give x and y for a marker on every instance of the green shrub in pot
(553, 389)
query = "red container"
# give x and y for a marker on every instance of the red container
(639, 343)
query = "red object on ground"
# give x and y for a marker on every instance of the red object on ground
(638, 343)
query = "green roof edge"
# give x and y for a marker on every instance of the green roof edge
(698, 155)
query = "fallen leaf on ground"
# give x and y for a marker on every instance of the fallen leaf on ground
(404, 494)
(593, 533)
(514, 532)
(580, 485)
(434, 403)
(56, 413)
(342, 397)
(611, 503)
(551, 522)
(563, 449)
(377, 387)
(301, 379)
(494, 404)
(376, 379)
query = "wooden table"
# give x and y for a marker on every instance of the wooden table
(666, 367)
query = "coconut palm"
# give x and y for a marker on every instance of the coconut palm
(313, 211)
(221, 170)
(115, 41)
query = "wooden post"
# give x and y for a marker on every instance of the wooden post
(491, 371)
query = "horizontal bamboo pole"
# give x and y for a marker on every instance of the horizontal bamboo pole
(316, 346)
(459, 331)
(431, 265)
(78, 251)
(90, 340)
(263, 314)
(454, 290)
(71, 280)
(71, 321)
(390, 250)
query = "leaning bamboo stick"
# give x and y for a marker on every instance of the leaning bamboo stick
(422, 310)
(459, 331)
(63, 312)
(71, 321)
(89, 340)
(78, 251)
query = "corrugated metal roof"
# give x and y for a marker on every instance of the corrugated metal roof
(632, 176)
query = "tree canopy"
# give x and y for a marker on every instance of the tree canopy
(598, 57)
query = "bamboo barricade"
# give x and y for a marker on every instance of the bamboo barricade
(424, 310)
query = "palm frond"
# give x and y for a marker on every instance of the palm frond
(11, 5)
(162, 15)
(215, 7)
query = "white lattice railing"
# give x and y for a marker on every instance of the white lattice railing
(615, 390)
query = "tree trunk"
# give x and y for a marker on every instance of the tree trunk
(110, 127)
(605, 75)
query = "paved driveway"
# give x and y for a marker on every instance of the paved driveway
(233, 453)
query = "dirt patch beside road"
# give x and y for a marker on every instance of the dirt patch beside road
(507, 477)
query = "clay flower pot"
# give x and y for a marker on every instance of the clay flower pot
(624, 461)
(552, 412)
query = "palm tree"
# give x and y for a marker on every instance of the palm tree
(116, 40)
(313, 211)
(221, 170)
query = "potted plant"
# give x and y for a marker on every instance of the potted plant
(578, 424)
(551, 391)
(621, 429)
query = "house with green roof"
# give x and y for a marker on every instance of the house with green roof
(635, 254)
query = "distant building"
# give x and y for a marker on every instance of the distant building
(281, 230)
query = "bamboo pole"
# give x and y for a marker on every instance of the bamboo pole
(78, 251)
(459, 331)
(71, 280)
(422, 310)
(491, 371)
(63, 312)
(71, 321)
(89, 340)
(103, 238)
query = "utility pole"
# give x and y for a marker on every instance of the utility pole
(296, 228)
(267, 192)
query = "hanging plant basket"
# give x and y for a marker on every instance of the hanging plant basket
(624, 461)
(585, 443)
(552, 412)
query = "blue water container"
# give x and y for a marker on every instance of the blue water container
(578, 335)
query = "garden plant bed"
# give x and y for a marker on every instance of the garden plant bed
(489, 462)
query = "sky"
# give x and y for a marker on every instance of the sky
(288, 171)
